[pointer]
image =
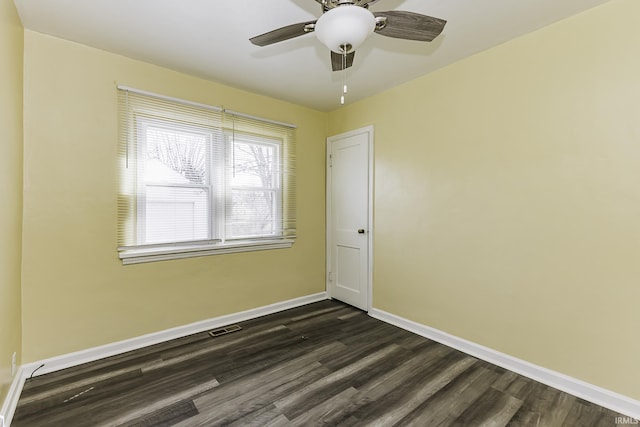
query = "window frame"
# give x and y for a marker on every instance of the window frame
(218, 186)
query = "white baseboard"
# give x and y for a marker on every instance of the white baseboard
(89, 355)
(573, 386)
(10, 402)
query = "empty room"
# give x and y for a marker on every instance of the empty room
(319, 212)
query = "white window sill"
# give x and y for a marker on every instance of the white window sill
(140, 255)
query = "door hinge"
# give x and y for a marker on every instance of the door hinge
(330, 276)
(330, 160)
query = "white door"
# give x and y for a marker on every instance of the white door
(349, 201)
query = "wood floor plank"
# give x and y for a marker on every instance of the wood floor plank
(373, 391)
(558, 410)
(141, 415)
(394, 414)
(320, 413)
(493, 409)
(287, 403)
(214, 346)
(587, 414)
(514, 385)
(167, 416)
(250, 393)
(267, 415)
(453, 399)
(79, 385)
(286, 316)
(332, 312)
(524, 418)
(321, 364)
(69, 394)
(229, 410)
(549, 406)
(358, 349)
(393, 391)
(137, 357)
(279, 421)
(407, 371)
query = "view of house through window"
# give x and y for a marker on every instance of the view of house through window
(198, 175)
(175, 202)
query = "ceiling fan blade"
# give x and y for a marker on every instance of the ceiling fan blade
(410, 26)
(336, 61)
(282, 34)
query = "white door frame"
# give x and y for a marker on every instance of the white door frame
(369, 131)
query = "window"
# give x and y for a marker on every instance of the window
(254, 188)
(174, 195)
(197, 180)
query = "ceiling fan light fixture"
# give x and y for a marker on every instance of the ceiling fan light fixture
(345, 26)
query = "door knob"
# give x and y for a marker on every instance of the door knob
(361, 231)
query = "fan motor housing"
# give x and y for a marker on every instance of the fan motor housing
(330, 4)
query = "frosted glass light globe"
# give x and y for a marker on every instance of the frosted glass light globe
(345, 25)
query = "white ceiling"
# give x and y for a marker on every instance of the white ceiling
(210, 39)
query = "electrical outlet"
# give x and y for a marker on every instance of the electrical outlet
(14, 366)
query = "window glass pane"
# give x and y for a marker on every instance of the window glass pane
(254, 165)
(175, 156)
(175, 214)
(252, 213)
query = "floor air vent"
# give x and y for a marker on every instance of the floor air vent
(224, 331)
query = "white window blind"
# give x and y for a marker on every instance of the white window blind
(196, 178)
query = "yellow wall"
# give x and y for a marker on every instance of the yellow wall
(507, 198)
(76, 293)
(11, 49)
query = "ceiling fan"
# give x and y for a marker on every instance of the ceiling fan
(346, 24)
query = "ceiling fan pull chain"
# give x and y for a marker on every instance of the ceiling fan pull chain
(344, 74)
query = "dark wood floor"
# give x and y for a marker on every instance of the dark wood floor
(324, 363)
